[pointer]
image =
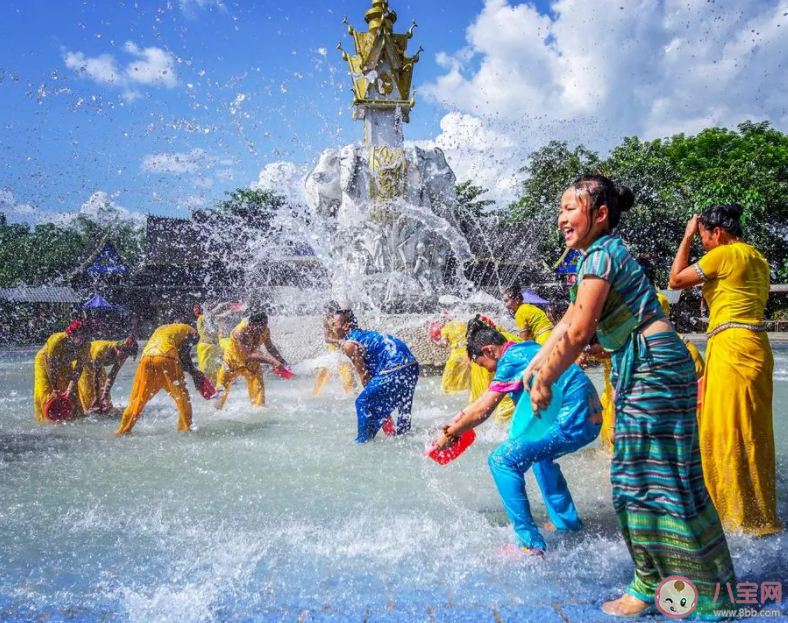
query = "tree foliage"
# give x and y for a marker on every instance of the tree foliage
(256, 206)
(470, 203)
(550, 171)
(48, 253)
(672, 179)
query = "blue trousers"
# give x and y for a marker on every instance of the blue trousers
(382, 395)
(511, 460)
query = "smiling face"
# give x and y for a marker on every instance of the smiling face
(676, 597)
(341, 326)
(577, 222)
(512, 304)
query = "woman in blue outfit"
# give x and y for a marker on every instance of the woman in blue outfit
(577, 424)
(388, 371)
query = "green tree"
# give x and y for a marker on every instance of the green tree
(672, 179)
(549, 172)
(470, 203)
(49, 253)
(256, 206)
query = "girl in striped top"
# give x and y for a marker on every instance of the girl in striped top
(663, 509)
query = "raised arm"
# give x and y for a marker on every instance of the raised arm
(682, 275)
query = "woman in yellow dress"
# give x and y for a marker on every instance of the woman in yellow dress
(532, 322)
(165, 359)
(735, 423)
(481, 379)
(457, 373)
(209, 352)
(243, 357)
(58, 366)
(345, 368)
(94, 383)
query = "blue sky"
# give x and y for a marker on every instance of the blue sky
(163, 105)
(255, 82)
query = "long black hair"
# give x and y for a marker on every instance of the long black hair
(604, 191)
(726, 217)
(480, 334)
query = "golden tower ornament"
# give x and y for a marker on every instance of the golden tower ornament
(381, 69)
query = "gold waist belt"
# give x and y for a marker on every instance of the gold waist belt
(737, 325)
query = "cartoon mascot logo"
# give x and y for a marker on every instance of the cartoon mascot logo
(676, 597)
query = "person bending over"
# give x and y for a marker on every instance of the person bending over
(577, 424)
(388, 371)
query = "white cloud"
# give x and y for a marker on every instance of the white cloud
(153, 67)
(481, 154)
(100, 207)
(192, 162)
(156, 66)
(13, 209)
(284, 178)
(594, 72)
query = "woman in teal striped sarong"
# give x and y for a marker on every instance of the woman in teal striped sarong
(666, 517)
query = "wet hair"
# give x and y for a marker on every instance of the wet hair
(480, 334)
(514, 291)
(604, 191)
(726, 217)
(347, 315)
(259, 318)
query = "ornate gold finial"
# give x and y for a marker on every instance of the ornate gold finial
(381, 69)
(380, 15)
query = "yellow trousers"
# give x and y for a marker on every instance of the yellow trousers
(209, 360)
(154, 374)
(43, 390)
(253, 373)
(457, 373)
(86, 387)
(480, 382)
(736, 431)
(345, 375)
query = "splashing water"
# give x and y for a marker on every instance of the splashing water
(277, 511)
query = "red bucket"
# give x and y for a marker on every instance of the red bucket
(285, 373)
(442, 457)
(207, 390)
(58, 409)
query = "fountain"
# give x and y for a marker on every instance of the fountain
(389, 205)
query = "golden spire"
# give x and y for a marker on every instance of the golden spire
(381, 69)
(380, 14)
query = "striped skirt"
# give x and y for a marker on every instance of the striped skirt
(665, 514)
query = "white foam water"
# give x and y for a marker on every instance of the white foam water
(278, 510)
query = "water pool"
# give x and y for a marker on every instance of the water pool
(275, 515)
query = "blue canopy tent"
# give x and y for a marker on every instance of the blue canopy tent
(532, 298)
(98, 302)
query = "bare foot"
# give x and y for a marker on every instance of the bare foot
(626, 606)
(549, 526)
